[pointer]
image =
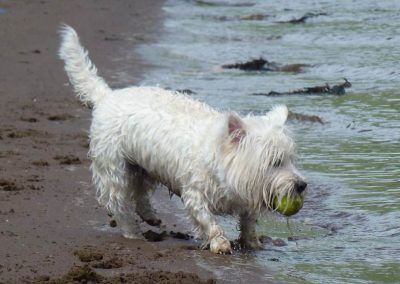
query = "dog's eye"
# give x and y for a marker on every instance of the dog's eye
(277, 163)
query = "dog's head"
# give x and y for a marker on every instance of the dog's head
(256, 162)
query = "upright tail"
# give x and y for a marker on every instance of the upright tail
(81, 72)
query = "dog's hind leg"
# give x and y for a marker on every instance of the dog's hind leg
(142, 186)
(111, 178)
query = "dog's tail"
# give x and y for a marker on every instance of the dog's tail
(81, 72)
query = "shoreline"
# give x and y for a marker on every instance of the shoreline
(48, 213)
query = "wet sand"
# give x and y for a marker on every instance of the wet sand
(48, 213)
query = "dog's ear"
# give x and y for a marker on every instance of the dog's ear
(236, 129)
(278, 115)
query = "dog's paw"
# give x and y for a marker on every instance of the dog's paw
(221, 245)
(252, 243)
(153, 222)
(134, 236)
(148, 215)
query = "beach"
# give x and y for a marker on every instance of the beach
(51, 226)
(332, 63)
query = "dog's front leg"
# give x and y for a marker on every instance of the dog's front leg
(248, 236)
(205, 222)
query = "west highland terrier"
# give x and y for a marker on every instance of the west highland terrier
(217, 162)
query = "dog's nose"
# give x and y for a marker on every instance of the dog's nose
(300, 186)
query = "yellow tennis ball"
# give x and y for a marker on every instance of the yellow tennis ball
(289, 205)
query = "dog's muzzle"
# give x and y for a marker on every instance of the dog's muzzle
(300, 186)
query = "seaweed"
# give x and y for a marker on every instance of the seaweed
(338, 90)
(303, 18)
(262, 64)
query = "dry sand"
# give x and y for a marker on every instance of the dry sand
(49, 217)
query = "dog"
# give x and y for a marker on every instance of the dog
(217, 162)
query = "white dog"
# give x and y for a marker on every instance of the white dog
(218, 163)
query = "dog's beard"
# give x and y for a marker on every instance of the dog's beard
(283, 184)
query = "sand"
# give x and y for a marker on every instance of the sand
(51, 227)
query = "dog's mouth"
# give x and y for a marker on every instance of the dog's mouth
(287, 205)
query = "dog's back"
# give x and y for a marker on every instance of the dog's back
(148, 126)
(152, 127)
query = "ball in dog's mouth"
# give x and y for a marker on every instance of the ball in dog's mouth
(288, 205)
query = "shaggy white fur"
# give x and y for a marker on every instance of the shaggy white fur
(218, 163)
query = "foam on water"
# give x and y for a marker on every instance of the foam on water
(349, 227)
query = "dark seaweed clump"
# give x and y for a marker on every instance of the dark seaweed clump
(262, 64)
(338, 90)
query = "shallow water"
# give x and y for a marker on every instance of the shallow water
(349, 228)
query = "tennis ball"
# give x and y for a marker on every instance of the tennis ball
(289, 205)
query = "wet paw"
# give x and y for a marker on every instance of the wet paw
(221, 245)
(148, 216)
(253, 243)
(153, 222)
(134, 236)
